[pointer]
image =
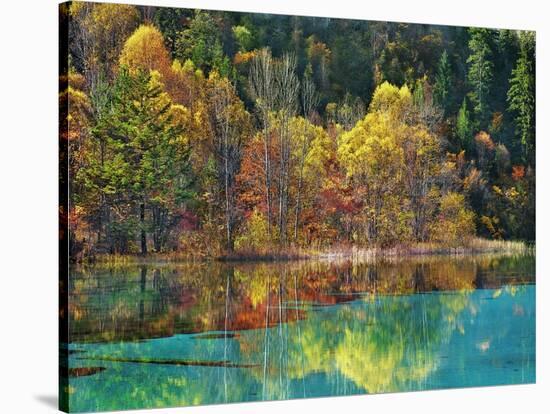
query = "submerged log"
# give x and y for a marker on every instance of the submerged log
(183, 362)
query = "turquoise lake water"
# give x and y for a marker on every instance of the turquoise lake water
(169, 335)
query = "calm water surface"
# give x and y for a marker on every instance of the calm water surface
(171, 335)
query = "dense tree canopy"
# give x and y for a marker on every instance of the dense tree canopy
(214, 131)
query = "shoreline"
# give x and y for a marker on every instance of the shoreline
(474, 247)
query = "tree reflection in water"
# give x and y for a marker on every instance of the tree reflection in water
(299, 329)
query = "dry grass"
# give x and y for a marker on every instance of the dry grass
(474, 246)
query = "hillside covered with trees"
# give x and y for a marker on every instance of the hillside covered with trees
(213, 133)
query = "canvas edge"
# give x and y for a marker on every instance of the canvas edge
(63, 259)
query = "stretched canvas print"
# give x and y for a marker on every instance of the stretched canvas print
(260, 207)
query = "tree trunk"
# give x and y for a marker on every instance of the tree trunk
(228, 204)
(142, 228)
(300, 184)
(298, 208)
(267, 176)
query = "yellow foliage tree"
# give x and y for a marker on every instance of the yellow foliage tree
(145, 49)
(255, 236)
(373, 159)
(99, 34)
(311, 149)
(392, 159)
(455, 223)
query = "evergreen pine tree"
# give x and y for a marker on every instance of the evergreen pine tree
(442, 85)
(521, 96)
(480, 72)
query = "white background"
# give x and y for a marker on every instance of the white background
(28, 203)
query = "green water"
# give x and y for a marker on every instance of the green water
(176, 335)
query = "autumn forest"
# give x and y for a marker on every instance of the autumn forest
(218, 134)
